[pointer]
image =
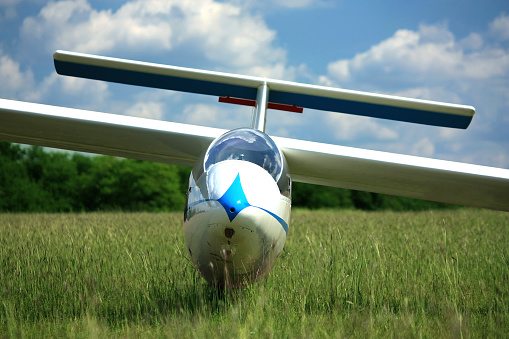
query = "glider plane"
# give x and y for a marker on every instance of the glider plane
(237, 214)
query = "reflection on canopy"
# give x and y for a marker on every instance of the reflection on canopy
(249, 145)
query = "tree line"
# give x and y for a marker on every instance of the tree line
(33, 179)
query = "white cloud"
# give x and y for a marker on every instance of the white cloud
(500, 27)
(296, 3)
(224, 34)
(430, 55)
(147, 110)
(8, 9)
(8, 3)
(21, 84)
(76, 26)
(70, 91)
(219, 116)
(227, 33)
(15, 83)
(351, 127)
(284, 4)
(431, 63)
(438, 93)
(472, 42)
(487, 153)
(424, 147)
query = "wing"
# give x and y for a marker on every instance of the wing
(396, 174)
(245, 87)
(181, 144)
(102, 133)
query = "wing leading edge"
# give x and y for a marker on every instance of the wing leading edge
(245, 87)
(102, 133)
(182, 144)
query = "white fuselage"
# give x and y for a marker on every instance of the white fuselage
(235, 223)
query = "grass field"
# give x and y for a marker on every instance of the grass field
(342, 274)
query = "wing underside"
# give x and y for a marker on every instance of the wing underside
(316, 163)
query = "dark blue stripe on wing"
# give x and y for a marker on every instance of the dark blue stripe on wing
(371, 110)
(154, 80)
(244, 92)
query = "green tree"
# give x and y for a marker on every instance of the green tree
(134, 185)
(314, 196)
(56, 175)
(18, 192)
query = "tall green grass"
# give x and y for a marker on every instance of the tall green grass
(342, 273)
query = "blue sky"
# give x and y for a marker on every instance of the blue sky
(446, 50)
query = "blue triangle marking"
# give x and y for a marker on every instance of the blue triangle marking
(234, 199)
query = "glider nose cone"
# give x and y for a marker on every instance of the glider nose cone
(236, 223)
(239, 186)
